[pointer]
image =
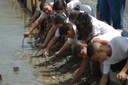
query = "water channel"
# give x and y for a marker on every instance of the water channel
(11, 34)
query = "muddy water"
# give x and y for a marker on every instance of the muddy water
(11, 31)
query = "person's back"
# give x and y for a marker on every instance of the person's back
(119, 49)
(103, 31)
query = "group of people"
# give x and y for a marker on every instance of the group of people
(86, 35)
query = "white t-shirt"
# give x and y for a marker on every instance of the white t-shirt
(43, 15)
(69, 40)
(73, 40)
(83, 7)
(102, 30)
(86, 8)
(119, 46)
(72, 4)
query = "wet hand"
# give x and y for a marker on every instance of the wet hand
(26, 34)
(122, 76)
(46, 54)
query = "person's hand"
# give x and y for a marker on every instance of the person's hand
(46, 54)
(57, 53)
(122, 76)
(26, 34)
(42, 45)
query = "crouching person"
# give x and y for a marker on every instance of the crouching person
(111, 53)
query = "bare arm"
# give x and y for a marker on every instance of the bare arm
(125, 68)
(80, 71)
(36, 23)
(50, 34)
(63, 48)
(100, 41)
(122, 74)
(104, 79)
(50, 44)
(36, 15)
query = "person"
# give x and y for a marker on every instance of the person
(79, 49)
(36, 14)
(47, 10)
(53, 29)
(58, 21)
(67, 30)
(61, 7)
(90, 28)
(111, 53)
(112, 12)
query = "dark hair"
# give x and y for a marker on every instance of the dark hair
(93, 48)
(59, 5)
(65, 28)
(43, 4)
(58, 19)
(73, 14)
(84, 25)
(76, 48)
(90, 50)
(67, 1)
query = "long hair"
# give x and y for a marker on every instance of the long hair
(84, 25)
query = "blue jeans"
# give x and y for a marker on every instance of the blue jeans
(112, 11)
(98, 4)
(124, 33)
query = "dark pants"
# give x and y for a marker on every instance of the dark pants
(124, 33)
(112, 11)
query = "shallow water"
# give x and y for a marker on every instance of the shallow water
(11, 54)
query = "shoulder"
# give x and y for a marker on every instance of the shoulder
(119, 39)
